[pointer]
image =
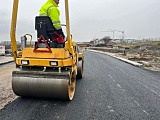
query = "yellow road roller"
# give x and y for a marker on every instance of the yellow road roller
(43, 70)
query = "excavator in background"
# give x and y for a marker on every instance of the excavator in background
(44, 70)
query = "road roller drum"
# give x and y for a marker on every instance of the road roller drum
(41, 84)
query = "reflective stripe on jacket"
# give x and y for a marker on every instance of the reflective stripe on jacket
(50, 8)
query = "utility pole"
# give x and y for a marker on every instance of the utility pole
(122, 34)
(113, 32)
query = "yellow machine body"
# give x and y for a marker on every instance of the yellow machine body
(59, 55)
(46, 74)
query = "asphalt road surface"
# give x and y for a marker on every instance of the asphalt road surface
(110, 90)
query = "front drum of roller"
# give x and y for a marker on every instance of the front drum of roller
(60, 87)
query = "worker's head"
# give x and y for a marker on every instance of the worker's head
(56, 1)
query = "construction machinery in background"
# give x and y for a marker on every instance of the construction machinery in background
(43, 70)
(2, 50)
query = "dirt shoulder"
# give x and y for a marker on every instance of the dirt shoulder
(148, 62)
(146, 53)
(6, 93)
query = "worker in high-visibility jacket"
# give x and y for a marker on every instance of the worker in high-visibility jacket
(50, 8)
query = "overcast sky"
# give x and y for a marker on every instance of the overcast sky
(89, 18)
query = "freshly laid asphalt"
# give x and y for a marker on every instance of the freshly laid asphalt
(110, 90)
(120, 58)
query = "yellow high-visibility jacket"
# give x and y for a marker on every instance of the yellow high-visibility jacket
(50, 8)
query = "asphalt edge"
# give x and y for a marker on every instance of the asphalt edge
(120, 58)
(6, 62)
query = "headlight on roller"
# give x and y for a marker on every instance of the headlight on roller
(25, 62)
(53, 63)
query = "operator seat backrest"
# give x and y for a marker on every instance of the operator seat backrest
(44, 26)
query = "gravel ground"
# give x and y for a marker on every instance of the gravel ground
(152, 64)
(6, 93)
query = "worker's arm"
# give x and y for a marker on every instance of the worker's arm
(54, 14)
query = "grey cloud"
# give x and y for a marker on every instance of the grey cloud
(88, 18)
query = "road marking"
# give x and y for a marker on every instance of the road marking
(145, 112)
(148, 88)
(119, 85)
(140, 106)
(87, 92)
(123, 90)
(142, 83)
(149, 76)
(137, 103)
(139, 82)
(153, 91)
(123, 71)
(156, 87)
(110, 109)
(111, 78)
